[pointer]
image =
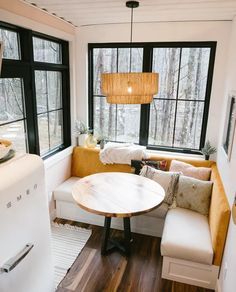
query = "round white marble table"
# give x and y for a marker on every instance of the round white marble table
(117, 194)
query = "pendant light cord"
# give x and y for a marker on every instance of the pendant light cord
(131, 39)
(131, 28)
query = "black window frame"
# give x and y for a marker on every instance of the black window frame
(25, 68)
(147, 67)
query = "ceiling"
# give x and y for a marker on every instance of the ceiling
(90, 12)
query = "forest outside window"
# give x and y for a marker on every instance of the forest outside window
(176, 120)
(115, 122)
(49, 109)
(34, 91)
(10, 40)
(12, 113)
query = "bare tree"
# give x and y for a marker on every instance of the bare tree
(188, 91)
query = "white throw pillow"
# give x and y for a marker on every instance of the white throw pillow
(168, 180)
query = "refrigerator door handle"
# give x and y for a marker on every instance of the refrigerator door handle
(14, 261)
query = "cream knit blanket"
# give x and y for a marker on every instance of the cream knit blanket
(122, 153)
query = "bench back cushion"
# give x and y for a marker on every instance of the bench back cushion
(86, 161)
(219, 216)
(194, 162)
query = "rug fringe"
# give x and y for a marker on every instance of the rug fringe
(70, 227)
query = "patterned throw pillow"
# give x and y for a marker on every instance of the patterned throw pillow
(168, 180)
(137, 165)
(187, 169)
(194, 194)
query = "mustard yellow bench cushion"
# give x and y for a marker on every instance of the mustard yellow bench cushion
(219, 216)
(86, 161)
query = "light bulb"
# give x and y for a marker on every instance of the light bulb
(129, 88)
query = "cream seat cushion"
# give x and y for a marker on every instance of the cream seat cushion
(64, 191)
(186, 236)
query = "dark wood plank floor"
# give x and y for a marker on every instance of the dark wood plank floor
(141, 272)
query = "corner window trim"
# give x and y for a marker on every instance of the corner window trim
(147, 67)
(25, 68)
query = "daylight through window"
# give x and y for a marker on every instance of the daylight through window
(177, 117)
(34, 91)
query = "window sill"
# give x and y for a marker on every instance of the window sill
(54, 159)
(172, 154)
(176, 154)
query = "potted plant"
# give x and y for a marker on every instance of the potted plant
(207, 150)
(81, 131)
(101, 141)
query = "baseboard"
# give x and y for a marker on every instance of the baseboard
(218, 288)
(53, 214)
(190, 272)
(147, 225)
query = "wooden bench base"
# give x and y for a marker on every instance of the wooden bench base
(140, 224)
(190, 272)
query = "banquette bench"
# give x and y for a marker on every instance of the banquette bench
(192, 244)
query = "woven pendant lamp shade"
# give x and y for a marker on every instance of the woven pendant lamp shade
(129, 88)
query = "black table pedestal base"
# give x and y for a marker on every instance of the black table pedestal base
(111, 244)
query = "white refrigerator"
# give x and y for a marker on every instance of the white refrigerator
(25, 247)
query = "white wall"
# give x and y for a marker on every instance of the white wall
(154, 32)
(57, 170)
(228, 172)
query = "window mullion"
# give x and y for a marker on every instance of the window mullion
(26, 42)
(116, 105)
(48, 117)
(145, 108)
(90, 88)
(66, 107)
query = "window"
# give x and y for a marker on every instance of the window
(46, 51)
(176, 120)
(49, 109)
(116, 122)
(34, 91)
(11, 44)
(12, 112)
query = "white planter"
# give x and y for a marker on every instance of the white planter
(80, 140)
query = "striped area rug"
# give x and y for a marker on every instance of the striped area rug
(67, 243)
